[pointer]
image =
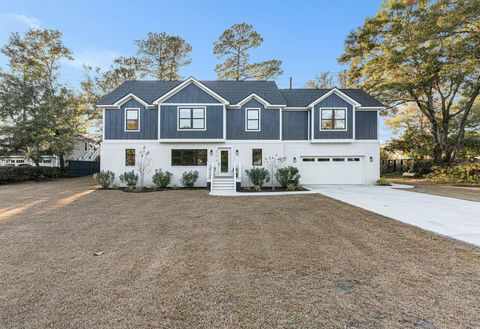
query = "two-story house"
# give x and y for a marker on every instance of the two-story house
(222, 127)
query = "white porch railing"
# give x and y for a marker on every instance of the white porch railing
(211, 173)
(87, 154)
(237, 174)
(95, 154)
(90, 155)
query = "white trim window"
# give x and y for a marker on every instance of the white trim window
(256, 157)
(333, 119)
(252, 119)
(129, 157)
(191, 118)
(132, 119)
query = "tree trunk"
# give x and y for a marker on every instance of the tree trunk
(238, 65)
(437, 153)
(437, 143)
(62, 163)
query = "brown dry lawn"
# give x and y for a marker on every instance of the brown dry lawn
(183, 259)
(470, 193)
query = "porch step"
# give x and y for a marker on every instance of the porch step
(223, 184)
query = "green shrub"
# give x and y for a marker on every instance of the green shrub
(162, 178)
(423, 167)
(291, 187)
(189, 178)
(383, 182)
(25, 173)
(129, 178)
(258, 176)
(464, 173)
(288, 175)
(104, 178)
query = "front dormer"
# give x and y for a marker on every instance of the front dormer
(131, 118)
(191, 112)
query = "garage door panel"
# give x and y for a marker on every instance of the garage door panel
(332, 172)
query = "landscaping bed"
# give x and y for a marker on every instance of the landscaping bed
(158, 189)
(463, 174)
(269, 189)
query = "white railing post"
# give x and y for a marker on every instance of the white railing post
(240, 172)
(234, 175)
(211, 175)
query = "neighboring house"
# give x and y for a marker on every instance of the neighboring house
(331, 135)
(84, 149)
(19, 159)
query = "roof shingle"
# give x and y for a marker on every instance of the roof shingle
(234, 92)
(304, 97)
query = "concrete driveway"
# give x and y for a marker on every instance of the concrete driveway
(459, 219)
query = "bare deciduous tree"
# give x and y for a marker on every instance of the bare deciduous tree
(143, 164)
(273, 163)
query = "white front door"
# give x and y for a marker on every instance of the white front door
(224, 162)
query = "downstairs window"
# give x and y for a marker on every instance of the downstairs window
(183, 157)
(130, 157)
(256, 157)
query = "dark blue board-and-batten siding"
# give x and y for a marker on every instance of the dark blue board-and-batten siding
(269, 123)
(295, 125)
(191, 94)
(115, 122)
(366, 125)
(214, 124)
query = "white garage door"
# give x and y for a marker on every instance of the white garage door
(331, 170)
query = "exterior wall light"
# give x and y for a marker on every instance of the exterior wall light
(371, 159)
(211, 152)
(236, 153)
(294, 160)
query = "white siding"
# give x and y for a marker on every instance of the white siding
(113, 158)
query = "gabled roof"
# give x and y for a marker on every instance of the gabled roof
(146, 90)
(234, 92)
(186, 83)
(304, 97)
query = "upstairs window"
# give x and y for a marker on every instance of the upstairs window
(132, 119)
(333, 119)
(191, 118)
(252, 120)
